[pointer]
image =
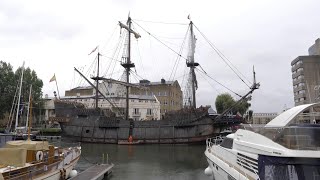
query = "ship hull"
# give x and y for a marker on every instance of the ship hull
(87, 125)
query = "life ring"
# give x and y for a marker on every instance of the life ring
(39, 156)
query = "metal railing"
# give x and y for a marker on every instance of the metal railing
(214, 141)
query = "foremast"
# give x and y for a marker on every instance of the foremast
(126, 59)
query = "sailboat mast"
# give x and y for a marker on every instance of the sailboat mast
(19, 96)
(192, 65)
(97, 83)
(29, 107)
(30, 112)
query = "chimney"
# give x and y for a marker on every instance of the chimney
(163, 81)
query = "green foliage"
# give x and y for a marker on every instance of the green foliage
(225, 101)
(7, 88)
(9, 83)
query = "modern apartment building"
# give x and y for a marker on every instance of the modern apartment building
(168, 93)
(306, 76)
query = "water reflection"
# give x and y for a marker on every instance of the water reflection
(148, 161)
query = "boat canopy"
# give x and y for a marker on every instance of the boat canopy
(29, 145)
(285, 118)
(12, 157)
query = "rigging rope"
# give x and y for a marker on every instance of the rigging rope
(161, 22)
(175, 66)
(223, 57)
(160, 41)
(219, 83)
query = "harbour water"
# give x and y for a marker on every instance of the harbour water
(157, 162)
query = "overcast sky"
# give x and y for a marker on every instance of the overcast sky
(55, 36)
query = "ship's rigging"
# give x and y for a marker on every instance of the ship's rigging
(192, 82)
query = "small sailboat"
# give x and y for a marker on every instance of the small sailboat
(19, 132)
(27, 159)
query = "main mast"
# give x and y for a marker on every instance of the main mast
(127, 64)
(192, 65)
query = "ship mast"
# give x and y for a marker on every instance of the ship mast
(127, 64)
(192, 65)
(97, 78)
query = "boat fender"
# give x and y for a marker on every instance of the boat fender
(208, 171)
(39, 156)
(73, 173)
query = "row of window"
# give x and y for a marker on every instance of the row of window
(165, 102)
(163, 110)
(300, 92)
(160, 93)
(300, 99)
(136, 111)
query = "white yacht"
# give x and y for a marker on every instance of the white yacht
(284, 148)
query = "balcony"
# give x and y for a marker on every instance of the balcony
(297, 74)
(298, 81)
(299, 88)
(136, 114)
(297, 66)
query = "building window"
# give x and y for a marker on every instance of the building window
(109, 85)
(132, 100)
(159, 93)
(165, 111)
(165, 93)
(302, 99)
(149, 111)
(302, 91)
(136, 110)
(146, 101)
(165, 102)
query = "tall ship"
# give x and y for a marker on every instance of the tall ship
(282, 149)
(119, 125)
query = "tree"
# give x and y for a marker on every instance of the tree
(7, 88)
(30, 77)
(225, 101)
(9, 84)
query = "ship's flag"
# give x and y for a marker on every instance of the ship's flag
(93, 50)
(53, 78)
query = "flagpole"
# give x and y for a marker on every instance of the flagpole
(57, 87)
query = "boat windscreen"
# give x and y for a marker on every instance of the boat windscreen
(279, 168)
(227, 143)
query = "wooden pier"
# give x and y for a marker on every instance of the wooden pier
(95, 172)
